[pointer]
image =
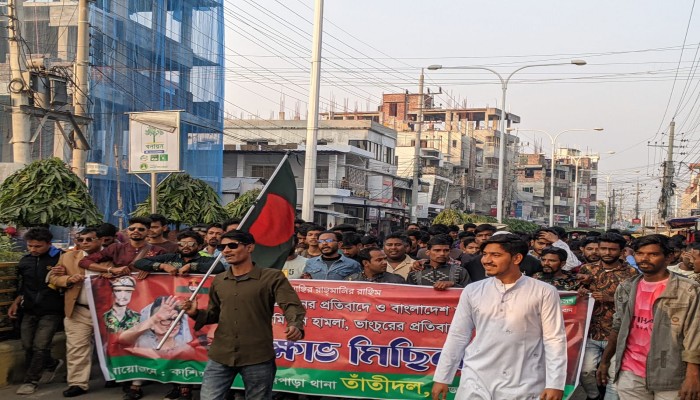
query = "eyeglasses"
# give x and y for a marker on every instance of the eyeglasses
(133, 228)
(187, 244)
(232, 246)
(86, 240)
(326, 240)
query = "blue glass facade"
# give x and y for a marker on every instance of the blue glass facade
(145, 55)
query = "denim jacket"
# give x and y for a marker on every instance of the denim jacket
(675, 338)
(338, 271)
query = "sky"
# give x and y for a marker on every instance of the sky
(642, 68)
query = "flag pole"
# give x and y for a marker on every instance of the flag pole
(218, 258)
(264, 189)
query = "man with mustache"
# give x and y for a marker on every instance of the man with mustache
(589, 250)
(211, 240)
(439, 271)
(601, 279)
(553, 258)
(395, 247)
(242, 301)
(123, 256)
(656, 330)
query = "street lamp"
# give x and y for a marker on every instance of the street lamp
(502, 147)
(553, 140)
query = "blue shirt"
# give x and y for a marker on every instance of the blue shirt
(338, 271)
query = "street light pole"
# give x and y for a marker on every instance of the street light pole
(502, 122)
(553, 141)
(416, 157)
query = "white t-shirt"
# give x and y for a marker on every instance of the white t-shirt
(293, 268)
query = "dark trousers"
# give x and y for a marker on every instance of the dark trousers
(36, 334)
(257, 380)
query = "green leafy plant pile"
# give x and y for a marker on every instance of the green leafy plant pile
(455, 217)
(519, 225)
(8, 251)
(239, 207)
(47, 192)
(185, 200)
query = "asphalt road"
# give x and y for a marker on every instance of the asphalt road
(98, 392)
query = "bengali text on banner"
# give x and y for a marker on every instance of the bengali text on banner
(375, 341)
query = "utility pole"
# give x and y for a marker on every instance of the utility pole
(21, 134)
(636, 203)
(415, 187)
(612, 208)
(80, 94)
(307, 202)
(667, 187)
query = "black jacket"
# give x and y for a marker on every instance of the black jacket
(39, 298)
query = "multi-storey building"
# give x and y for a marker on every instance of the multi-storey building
(144, 56)
(534, 183)
(356, 168)
(459, 150)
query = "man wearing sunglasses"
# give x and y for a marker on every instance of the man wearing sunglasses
(118, 260)
(78, 322)
(123, 255)
(187, 260)
(241, 301)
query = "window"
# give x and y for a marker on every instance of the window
(322, 173)
(454, 143)
(393, 109)
(360, 144)
(262, 171)
(388, 155)
(528, 189)
(530, 173)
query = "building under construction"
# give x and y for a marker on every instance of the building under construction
(143, 56)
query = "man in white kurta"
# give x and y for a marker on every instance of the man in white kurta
(519, 351)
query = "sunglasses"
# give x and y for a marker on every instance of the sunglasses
(326, 240)
(133, 228)
(86, 240)
(187, 244)
(232, 246)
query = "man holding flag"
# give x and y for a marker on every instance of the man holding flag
(243, 343)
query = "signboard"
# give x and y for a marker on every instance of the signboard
(362, 340)
(95, 169)
(154, 142)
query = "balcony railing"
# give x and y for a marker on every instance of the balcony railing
(355, 189)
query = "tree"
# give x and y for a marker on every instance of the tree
(151, 131)
(600, 212)
(239, 207)
(185, 200)
(47, 192)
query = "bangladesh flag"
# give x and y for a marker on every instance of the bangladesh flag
(272, 220)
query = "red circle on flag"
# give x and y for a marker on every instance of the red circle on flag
(275, 223)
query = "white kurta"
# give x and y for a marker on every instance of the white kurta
(520, 344)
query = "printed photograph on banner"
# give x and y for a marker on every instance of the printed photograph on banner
(133, 316)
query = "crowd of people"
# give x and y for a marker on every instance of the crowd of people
(643, 341)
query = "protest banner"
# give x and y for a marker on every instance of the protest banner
(376, 341)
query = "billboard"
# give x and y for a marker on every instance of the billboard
(154, 142)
